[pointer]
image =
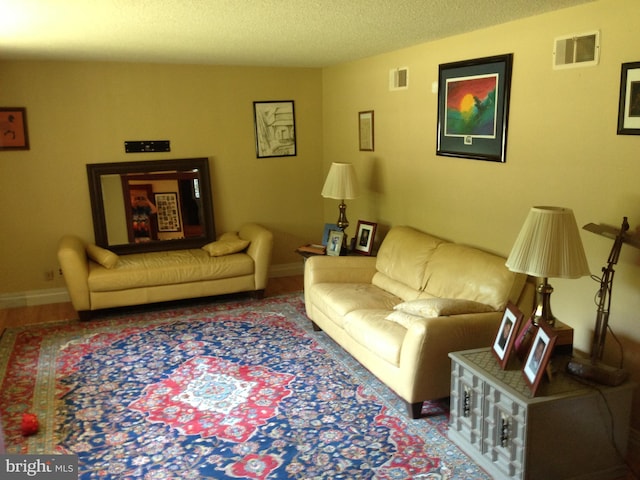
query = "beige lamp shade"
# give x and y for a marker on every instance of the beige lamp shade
(341, 182)
(549, 245)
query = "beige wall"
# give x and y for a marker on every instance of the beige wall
(562, 150)
(81, 113)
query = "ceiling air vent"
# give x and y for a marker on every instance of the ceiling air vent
(581, 50)
(399, 78)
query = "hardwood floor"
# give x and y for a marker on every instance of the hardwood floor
(14, 317)
(277, 286)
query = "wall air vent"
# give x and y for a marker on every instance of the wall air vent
(580, 50)
(399, 78)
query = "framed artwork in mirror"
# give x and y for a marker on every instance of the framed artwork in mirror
(13, 128)
(275, 128)
(629, 103)
(473, 108)
(365, 235)
(507, 332)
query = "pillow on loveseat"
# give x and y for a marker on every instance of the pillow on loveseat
(226, 245)
(436, 307)
(100, 255)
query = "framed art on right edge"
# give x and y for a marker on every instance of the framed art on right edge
(473, 108)
(629, 104)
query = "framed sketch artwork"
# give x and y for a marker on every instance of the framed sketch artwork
(473, 108)
(275, 128)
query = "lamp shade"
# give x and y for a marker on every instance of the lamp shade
(341, 182)
(549, 245)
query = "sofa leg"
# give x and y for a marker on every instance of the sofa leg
(415, 409)
(257, 294)
(316, 328)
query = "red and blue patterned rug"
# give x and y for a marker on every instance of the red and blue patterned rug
(226, 390)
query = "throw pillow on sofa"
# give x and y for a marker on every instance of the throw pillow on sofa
(226, 245)
(100, 255)
(436, 307)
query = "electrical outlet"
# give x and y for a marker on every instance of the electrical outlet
(60, 274)
(48, 275)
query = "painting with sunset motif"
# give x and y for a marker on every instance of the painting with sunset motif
(473, 106)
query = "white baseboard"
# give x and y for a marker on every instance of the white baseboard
(34, 297)
(60, 295)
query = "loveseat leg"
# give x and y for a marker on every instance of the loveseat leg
(315, 327)
(84, 315)
(415, 409)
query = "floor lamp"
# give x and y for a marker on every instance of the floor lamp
(341, 184)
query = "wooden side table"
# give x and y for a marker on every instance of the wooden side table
(570, 430)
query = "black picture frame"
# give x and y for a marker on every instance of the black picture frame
(365, 236)
(275, 128)
(473, 108)
(629, 102)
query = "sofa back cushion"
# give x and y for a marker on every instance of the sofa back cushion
(463, 272)
(402, 260)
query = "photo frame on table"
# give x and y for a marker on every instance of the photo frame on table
(327, 229)
(629, 103)
(537, 360)
(507, 333)
(275, 128)
(365, 131)
(334, 245)
(365, 235)
(473, 108)
(13, 128)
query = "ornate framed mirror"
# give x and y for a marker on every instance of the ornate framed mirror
(151, 205)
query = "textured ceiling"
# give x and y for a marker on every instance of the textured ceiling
(301, 33)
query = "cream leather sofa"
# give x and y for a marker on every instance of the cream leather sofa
(97, 278)
(400, 313)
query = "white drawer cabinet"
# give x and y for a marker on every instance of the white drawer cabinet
(569, 430)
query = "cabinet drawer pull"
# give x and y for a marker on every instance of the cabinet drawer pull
(466, 402)
(504, 431)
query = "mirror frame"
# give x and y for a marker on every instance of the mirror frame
(96, 170)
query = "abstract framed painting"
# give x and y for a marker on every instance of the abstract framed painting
(275, 128)
(473, 108)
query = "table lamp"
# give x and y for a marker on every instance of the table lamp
(341, 184)
(548, 245)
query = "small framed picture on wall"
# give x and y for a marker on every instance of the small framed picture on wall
(13, 128)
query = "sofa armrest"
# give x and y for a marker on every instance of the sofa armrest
(260, 250)
(327, 269)
(75, 270)
(432, 339)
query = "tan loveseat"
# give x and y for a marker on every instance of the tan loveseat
(400, 313)
(97, 278)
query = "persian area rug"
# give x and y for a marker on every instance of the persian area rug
(225, 390)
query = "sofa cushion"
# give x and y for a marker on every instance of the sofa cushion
(100, 255)
(402, 259)
(436, 307)
(372, 330)
(462, 272)
(226, 246)
(167, 268)
(338, 299)
(403, 318)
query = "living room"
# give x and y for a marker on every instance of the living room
(562, 149)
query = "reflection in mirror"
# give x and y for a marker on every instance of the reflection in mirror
(151, 205)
